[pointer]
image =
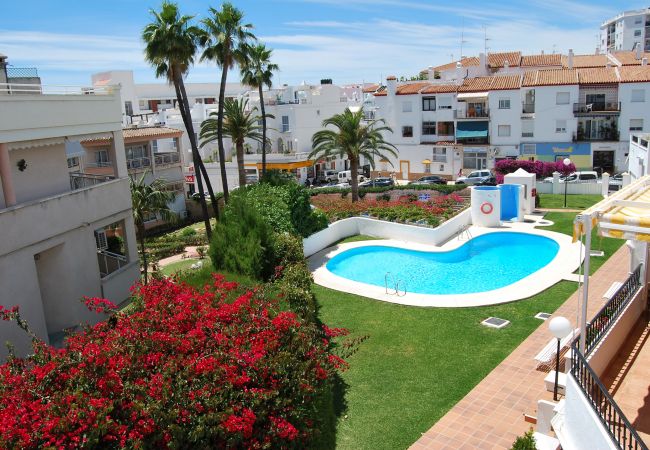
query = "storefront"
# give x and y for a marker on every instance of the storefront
(578, 153)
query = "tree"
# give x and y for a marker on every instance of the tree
(147, 200)
(170, 45)
(225, 38)
(239, 124)
(352, 139)
(257, 72)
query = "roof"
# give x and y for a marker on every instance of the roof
(597, 75)
(550, 77)
(497, 60)
(580, 61)
(634, 74)
(465, 62)
(628, 58)
(139, 134)
(543, 60)
(493, 83)
(371, 88)
(440, 89)
(411, 88)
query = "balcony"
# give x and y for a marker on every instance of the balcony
(472, 113)
(600, 108)
(608, 134)
(80, 180)
(166, 159)
(138, 164)
(528, 108)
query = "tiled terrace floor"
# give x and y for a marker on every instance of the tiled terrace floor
(628, 378)
(491, 415)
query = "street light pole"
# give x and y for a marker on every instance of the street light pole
(566, 163)
(560, 327)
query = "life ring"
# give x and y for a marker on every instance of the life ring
(487, 208)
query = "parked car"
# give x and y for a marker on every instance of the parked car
(345, 176)
(474, 177)
(430, 179)
(616, 181)
(577, 177)
(488, 181)
(330, 176)
(378, 182)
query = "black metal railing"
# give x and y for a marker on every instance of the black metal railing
(162, 159)
(611, 417)
(608, 314)
(79, 180)
(596, 107)
(527, 108)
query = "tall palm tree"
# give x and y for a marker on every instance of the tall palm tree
(224, 42)
(352, 139)
(149, 199)
(239, 124)
(171, 43)
(257, 72)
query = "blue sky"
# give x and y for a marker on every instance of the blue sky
(347, 40)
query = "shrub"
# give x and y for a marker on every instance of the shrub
(182, 369)
(525, 442)
(276, 177)
(242, 242)
(295, 284)
(442, 188)
(384, 197)
(187, 232)
(287, 249)
(541, 169)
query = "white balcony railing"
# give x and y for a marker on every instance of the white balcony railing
(110, 262)
(167, 158)
(25, 88)
(138, 163)
(79, 180)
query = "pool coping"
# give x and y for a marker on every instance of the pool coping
(566, 261)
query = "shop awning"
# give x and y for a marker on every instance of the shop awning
(287, 165)
(470, 95)
(426, 161)
(471, 129)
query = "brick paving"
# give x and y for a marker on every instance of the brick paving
(491, 415)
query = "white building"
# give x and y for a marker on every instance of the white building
(625, 31)
(530, 109)
(65, 235)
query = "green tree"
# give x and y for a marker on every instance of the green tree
(239, 124)
(224, 40)
(171, 43)
(257, 72)
(354, 139)
(149, 199)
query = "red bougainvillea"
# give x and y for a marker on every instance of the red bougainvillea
(184, 369)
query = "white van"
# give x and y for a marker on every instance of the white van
(587, 176)
(345, 176)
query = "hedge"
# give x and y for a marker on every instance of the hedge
(443, 188)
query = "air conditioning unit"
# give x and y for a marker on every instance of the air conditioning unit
(100, 240)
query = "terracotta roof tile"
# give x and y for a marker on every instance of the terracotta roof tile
(411, 88)
(504, 82)
(541, 60)
(550, 77)
(629, 58)
(140, 134)
(493, 83)
(634, 74)
(371, 88)
(597, 75)
(498, 60)
(465, 62)
(580, 61)
(440, 89)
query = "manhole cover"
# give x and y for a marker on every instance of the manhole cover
(542, 315)
(495, 322)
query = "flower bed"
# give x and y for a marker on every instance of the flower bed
(185, 368)
(406, 209)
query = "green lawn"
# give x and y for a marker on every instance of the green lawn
(357, 238)
(184, 264)
(556, 201)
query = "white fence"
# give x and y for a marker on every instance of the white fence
(388, 230)
(571, 188)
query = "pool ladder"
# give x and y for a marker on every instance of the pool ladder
(396, 283)
(465, 233)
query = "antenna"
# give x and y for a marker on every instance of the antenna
(485, 40)
(462, 38)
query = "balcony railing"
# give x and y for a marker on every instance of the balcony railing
(608, 314)
(80, 180)
(606, 135)
(527, 108)
(138, 163)
(26, 88)
(167, 158)
(22, 72)
(99, 164)
(598, 107)
(110, 262)
(472, 113)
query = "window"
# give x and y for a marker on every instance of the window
(560, 126)
(128, 108)
(504, 103)
(101, 158)
(445, 128)
(442, 167)
(474, 160)
(407, 107)
(504, 130)
(285, 124)
(637, 33)
(143, 104)
(73, 162)
(444, 103)
(637, 21)
(428, 128)
(154, 146)
(562, 98)
(528, 149)
(527, 128)
(428, 103)
(638, 95)
(440, 154)
(407, 131)
(136, 152)
(636, 124)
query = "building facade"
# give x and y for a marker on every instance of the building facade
(626, 31)
(66, 234)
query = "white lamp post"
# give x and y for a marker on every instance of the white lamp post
(566, 163)
(561, 328)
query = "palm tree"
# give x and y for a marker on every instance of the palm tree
(257, 72)
(170, 45)
(147, 200)
(224, 42)
(239, 124)
(352, 139)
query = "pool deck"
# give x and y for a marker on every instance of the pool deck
(491, 415)
(561, 267)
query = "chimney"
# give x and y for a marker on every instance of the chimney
(506, 66)
(391, 85)
(459, 73)
(608, 64)
(482, 61)
(542, 52)
(644, 61)
(569, 62)
(430, 73)
(597, 50)
(639, 51)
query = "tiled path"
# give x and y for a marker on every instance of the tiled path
(491, 415)
(628, 378)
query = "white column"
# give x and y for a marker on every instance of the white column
(119, 164)
(5, 174)
(605, 185)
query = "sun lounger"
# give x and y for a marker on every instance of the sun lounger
(545, 356)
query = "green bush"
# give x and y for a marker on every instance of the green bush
(187, 232)
(242, 242)
(442, 188)
(276, 177)
(287, 249)
(525, 442)
(383, 197)
(295, 285)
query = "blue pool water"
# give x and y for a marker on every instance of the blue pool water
(486, 262)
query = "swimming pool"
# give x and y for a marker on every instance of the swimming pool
(487, 262)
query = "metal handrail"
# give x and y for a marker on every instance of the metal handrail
(79, 180)
(167, 158)
(386, 283)
(618, 427)
(138, 163)
(56, 89)
(586, 107)
(112, 262)
(603, 320)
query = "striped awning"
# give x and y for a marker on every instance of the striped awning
(623, 215)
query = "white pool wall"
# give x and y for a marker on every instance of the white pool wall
(486, 206)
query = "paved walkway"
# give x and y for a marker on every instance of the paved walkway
(490, 416)
(566, 210)
(190, 252)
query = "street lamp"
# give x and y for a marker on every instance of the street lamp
(566, 163)
(560, 328)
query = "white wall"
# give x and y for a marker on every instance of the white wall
(547, 112)
(511, 117)
(46, 174)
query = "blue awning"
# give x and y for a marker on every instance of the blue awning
(471, 129)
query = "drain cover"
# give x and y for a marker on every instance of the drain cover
(542, 315)
(495, 322)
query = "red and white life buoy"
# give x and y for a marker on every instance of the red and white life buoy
(487, 208)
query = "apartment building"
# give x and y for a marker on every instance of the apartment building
(455, 121)
(65, 234)
(625, 31)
